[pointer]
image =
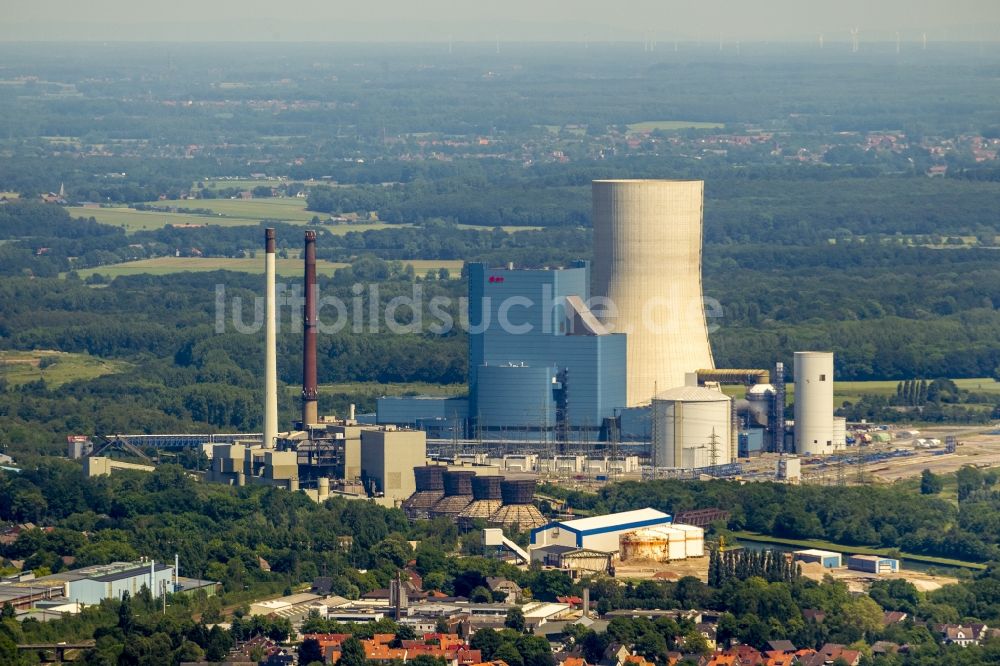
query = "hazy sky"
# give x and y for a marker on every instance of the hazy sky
(434, 20)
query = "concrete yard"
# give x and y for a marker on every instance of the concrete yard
(859, 581)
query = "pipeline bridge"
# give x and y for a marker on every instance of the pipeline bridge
(181, 440)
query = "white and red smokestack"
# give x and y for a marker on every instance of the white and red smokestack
(309, 387)
(270, 345)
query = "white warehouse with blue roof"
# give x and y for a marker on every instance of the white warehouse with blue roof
(599, 533)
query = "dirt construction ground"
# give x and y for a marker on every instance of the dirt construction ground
(976, 447)
(859, 581)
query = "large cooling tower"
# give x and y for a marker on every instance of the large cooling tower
(814, 403)
(647, 261)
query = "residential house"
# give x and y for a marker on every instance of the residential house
(504, 590)
(892, 617)
(781, 646)
(614, 655)
(955, 634)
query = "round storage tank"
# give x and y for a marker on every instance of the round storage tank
(661, 544)
(813, 403)
(686, 420)
(694, 538)
(646, 544)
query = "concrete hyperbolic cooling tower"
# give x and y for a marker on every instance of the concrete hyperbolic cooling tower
(647, 262)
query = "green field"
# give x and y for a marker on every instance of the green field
(852, 391)
(291, 267)
(286, 209)
(249, 183)
(670, 125)
(21, 367)
(228, 213)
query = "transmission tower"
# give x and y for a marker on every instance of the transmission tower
(841, 471)
(713, 451)
(861, 468)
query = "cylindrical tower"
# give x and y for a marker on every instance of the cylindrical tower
(485, 501)
(430, 489)
(691, 428)
(309, 386)
(518, 513)
(647, 263)
(270, 344)
(457, 494)
(813, 402)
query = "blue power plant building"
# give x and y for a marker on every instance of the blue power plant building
(541, 366)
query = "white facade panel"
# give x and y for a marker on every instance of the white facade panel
(647, 263)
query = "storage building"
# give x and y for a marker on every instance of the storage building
(828, 559)
(599, 533)
(875, 564)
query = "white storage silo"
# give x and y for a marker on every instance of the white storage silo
(813, 403)
(678, 543)
(647, 263)
(686, 419)
(694, 538)
(839, 432)
(660, 544)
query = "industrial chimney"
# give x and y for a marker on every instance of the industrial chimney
(270, 344)
(309, 387)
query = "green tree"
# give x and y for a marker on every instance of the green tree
(310, 651)
(652, 646)
(930, 483)
(352, 653)
(487, 641)
(514, 619)
(509, 654)
(969, 480)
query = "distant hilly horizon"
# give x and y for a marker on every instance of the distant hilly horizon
(294, 30)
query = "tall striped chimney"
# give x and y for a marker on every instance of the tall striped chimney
(270, 344)
(309, 386)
